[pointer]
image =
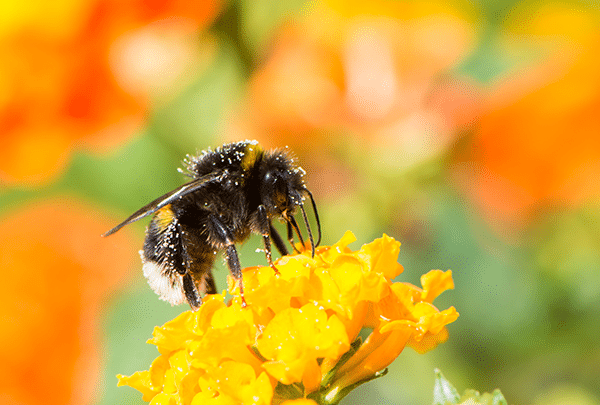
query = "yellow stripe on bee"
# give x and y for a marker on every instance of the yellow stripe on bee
(164, 216)
(251, 154)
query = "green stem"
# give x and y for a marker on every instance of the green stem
(334, 394)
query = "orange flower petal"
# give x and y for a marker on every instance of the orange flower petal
(434, 283)
(301, 401)
(140, 380)
(382, 254)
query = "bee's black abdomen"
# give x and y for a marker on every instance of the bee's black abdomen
(163, 246)
(177, 257)
(162, 257)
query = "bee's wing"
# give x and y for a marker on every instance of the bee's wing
(167, 199)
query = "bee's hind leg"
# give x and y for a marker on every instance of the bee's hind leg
(223, 235)
(189, 286)
(208, 284)
(191, 293)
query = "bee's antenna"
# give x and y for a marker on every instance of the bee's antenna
(312, 242)
(312, 200)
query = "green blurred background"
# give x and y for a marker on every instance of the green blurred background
(467, 130)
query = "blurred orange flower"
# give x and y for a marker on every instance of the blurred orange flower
(538, 144)
(376, 69)
(57, 274)
(58, 89)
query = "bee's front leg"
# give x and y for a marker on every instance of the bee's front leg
(278, 241)
(265, 230)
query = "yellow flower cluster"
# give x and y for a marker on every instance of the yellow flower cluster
(297, 339)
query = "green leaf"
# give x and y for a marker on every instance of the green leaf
(443, 391)
(473, 397)
(498, 398)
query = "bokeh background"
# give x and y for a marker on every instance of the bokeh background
(469, 130)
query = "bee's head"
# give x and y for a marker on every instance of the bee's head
(282, 190)
(282, 185)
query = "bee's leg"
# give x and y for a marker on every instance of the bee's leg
(294, 224)
(278, 241)
(290, 236)
(233, 262)
(265, 227)
(231, 256)
(191, 293)
(189, 286)
(209, 283)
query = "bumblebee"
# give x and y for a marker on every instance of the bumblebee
(237, 189)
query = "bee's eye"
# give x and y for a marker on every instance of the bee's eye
(274, 181)
(269, 178)
(275, 188)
